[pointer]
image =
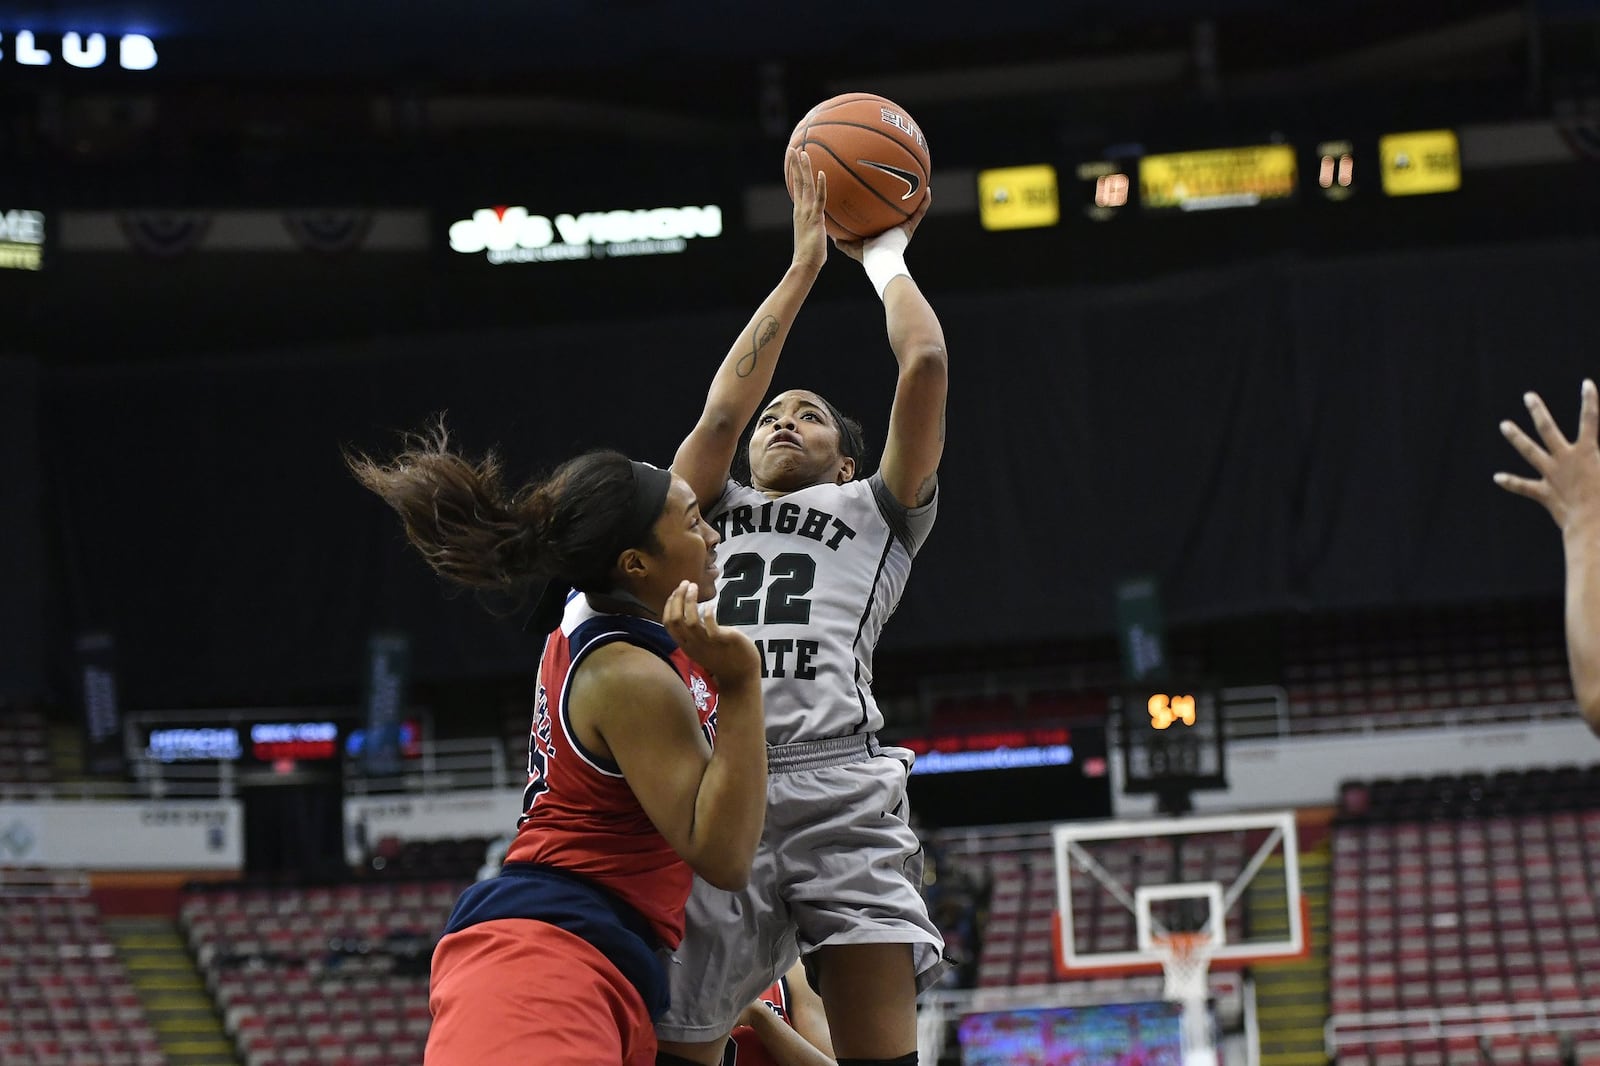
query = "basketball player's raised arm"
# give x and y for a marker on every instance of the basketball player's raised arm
(1583, 618)
(741, 382)
(1569, 488)
(915, 442)
(709, 805)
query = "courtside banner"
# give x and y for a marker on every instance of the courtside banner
(166, 835)
(484, 812)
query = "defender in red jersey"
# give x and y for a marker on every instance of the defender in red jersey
(579, 811)
(559, 958)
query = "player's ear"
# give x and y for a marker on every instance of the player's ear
(632, 563)
(847, 470)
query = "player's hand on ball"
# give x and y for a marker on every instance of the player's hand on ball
(808, 187)
(855, 249)
(910, 225)
(727, 653)
(1569, 471)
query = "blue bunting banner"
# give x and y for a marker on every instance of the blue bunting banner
(1582, 136)
(328, 232)
(165, 233)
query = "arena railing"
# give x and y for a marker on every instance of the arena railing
(1254, 712)
(1477, 1020)
(438, 766)
(1250, 722)
(441, 766)
(40, 881)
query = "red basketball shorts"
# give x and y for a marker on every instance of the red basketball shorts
(515, 991)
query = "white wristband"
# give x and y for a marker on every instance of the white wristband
(885, 259)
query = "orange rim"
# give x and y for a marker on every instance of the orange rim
(1182, 945)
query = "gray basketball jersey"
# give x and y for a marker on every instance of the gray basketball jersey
(812, 577)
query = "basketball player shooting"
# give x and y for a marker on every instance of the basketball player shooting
(814, 560)
(1568, 486)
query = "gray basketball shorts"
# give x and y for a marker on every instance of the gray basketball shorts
(837, 864)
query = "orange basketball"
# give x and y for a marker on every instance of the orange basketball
(876, 160)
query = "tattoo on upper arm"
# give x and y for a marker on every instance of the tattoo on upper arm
(925, 490)
(941, 424)
(761, 336)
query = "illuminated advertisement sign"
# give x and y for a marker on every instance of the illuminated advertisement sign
(270, 741)
(203, 743)
(1419, 163)
(245, 742)
(1025, 773)
(134, 51)
(1217, 178)
(997, 750)
(507, 234)
(21, 240)
(1018, 197)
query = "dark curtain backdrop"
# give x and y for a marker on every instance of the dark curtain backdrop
(24, 562)
(1279, 435)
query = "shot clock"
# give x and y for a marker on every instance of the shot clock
(1173, 741)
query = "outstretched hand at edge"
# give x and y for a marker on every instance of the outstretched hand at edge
(1568, 485)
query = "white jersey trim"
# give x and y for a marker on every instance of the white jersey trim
(579, 611)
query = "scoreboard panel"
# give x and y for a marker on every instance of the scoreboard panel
(1174, 739)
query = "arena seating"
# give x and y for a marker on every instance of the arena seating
(453, 860)
(1392, 670)
(333, 974)
(1462, 906)
(1403, 664)
(65, 996)
(956, 713)
(24, 749)
(1468, 795)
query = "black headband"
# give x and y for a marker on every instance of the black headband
(650, 485)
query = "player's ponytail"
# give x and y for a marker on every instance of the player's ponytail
(472, 531)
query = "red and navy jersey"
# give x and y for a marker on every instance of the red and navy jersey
(579, 813)
(744, 1046)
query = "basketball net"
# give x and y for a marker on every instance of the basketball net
(1186, 962)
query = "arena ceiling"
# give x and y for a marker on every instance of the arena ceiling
(288, 73)
(498, 41)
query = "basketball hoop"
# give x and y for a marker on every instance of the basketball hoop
(1186, 960)
(1193, 877)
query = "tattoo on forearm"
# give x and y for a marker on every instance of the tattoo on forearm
(764, 333)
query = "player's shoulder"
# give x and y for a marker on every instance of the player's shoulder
(857, 492)
(623, 665)
(600, 630)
